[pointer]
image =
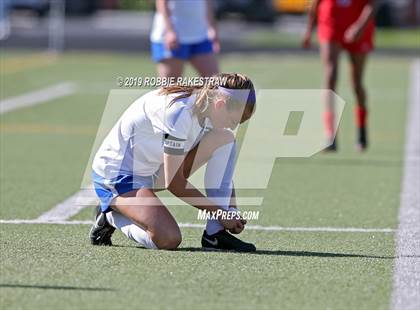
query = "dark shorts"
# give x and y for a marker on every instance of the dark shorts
(184, 51)
(108, 189)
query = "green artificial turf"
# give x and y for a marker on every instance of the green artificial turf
(45, 151)
(53, 266)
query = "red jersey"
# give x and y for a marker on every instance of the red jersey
(335, 17)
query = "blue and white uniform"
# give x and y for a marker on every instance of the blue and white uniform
(189, 19)
(132, 153)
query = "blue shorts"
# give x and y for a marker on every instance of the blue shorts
(107, 190)
(184, 51)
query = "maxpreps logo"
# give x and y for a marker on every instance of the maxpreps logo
(220, 214)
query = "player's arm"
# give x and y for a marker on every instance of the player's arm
(355, 31)
(312, 19)
(178, 185)
(213, 32)
(171, 40)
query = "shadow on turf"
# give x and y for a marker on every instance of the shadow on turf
(273, 252)
(56, 287)
(291, 253)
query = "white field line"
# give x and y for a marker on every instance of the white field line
(406, 286)
(87, 197)
(201, 226)
(57, 222)
(70, 207)
(38, 96)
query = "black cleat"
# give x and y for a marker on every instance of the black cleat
(223, 240)
(101, 231)
(362, 142)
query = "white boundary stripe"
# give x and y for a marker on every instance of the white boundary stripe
(39, 96)
(87, 197)
(58, 222)
(201, 226)
(69, 207)
(406, 288)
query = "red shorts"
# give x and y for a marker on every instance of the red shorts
(336, 16)
(327, 34)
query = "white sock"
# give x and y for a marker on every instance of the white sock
(130, 229)
(218, 181)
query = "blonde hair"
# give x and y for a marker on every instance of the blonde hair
(206, 92)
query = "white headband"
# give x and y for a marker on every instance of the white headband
(238, 94)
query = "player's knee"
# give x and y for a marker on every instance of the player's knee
(168, 241)
(222, 136)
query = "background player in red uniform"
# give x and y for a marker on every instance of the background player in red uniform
(348, 25)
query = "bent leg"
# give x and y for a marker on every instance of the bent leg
(130, 229)
(218, 150)
(147, 212)
(202, 152)
(218, 181)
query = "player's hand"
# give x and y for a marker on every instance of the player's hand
(171, 40)
(307, 41)
(352, 34)
(233, 225)
(237, 230)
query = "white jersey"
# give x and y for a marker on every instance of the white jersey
(135, 145)
(189, 19)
